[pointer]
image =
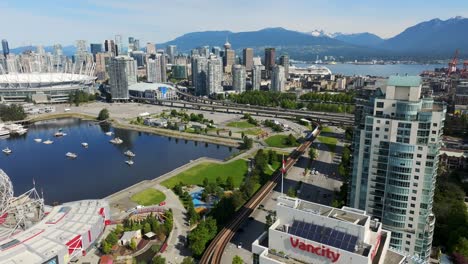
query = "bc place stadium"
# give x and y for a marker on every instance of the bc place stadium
(44, 82)
(34, 233)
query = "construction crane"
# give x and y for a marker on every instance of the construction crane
(452, 66)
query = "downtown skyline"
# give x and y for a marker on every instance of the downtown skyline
(48, 22)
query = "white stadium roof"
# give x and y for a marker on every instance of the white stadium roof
(67, 231)
(46, 78)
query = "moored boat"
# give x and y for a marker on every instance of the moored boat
(129, 153)
(48, 142)
(84, 144)
(38, 140)
(7, 150)
(116, 141)
(71, 155)
(129, 162)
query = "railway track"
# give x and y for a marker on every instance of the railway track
(215, 250)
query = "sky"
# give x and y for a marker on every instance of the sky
(45, 22)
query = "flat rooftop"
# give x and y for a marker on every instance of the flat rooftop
(60, 227)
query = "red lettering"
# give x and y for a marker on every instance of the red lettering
(319, 251)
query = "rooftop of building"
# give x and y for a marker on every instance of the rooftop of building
(61, 226)
(406, 81)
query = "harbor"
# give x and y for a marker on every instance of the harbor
(67, 170)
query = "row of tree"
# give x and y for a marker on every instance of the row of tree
(344, 170)
(451, 229)
(12, 112)
(262, 98)
(79, 97)
(329, 97)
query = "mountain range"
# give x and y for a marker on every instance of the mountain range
(433, 39)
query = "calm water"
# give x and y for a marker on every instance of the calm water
(98, 170)
(378, 70)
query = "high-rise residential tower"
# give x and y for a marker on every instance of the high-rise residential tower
(270, 57)
(5, 48)
(199, 69)
(118, 45)
(257, 76)
(122, 73)
(396, 151)
(109, 46)
(277, 79)
(150, 48)
(95, 49)
(214, 75)
(171, 51)
(284, 61)
(247, 58)
(238, 78)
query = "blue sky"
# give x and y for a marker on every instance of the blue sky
(25, 22)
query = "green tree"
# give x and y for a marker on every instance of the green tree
(230, 183)
(237, 260)
(291, 192)
(313, 153)
(461, 247)
(133, 244)
(242, 134)
(272, 157)
(103, 114)
(247, 143)
(13, 112)
(105, 247)
(201, 235)
(230, 133)
(146, 228)
(219, 181)
(188, 260)
(159, 260)
(205, 182)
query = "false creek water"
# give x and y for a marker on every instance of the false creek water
(100, 169)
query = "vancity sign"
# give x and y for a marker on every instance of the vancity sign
(321, 251)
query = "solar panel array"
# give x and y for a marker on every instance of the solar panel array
(324, 235)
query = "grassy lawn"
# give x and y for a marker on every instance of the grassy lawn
(327, 130)
(329, 141)
(253, 131)
(149, 196)
(278, 141)
(240, 124)
(275, 166)
(195, 175)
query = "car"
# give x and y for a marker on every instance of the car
(162, 203)
(239, 245)
(261, 206)
(316, 172)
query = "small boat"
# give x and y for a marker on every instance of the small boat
(84, 144)
(71, 155)
(7, 150)
(48, 142)
(129, 162)
(110, 133)
(59, 134)
(116, 141)
(38, 140)
(129, 153)
(16, 129)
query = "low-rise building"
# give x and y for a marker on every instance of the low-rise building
(128, 236)
(306, 232)
(454, 158)
(155, 122)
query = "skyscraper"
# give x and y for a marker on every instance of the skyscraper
(40, 50)
(199, 69)
(82, 55)
(101, 58)
(153, 69)
(58, 57)
(118, 44)
(214, 75)
(150, 48)
(109, 46)
(216, 51)
(204, 51)
(238, 78)
(277, 79)
(162, 61)
(171, 53)
(270, 54)
(5, 48)
(229, 57)
(257, 76)
(136, 45)
(284, 61)
(95, 49)
(139, 57)
(247, 58)
(396, 151)
(122, 73)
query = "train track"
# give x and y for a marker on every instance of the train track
(215, 250)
